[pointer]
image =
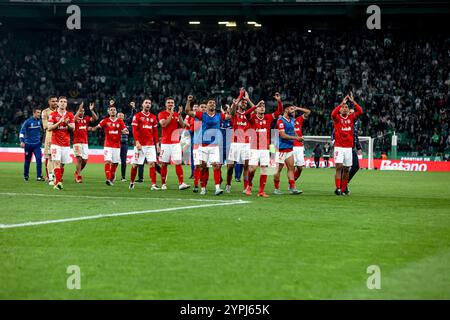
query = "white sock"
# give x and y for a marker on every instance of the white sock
(217, 187)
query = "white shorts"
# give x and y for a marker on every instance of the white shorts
(282, 156)
(210, 154)
(170, 152)
(299, 156)
(197, 154)
(146, 152)
(81, 150)
(259, 157)
(239, 152)
(61, 154)
(111, 154)
(344, 156)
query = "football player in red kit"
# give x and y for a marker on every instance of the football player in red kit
(172, 124)
(113, 128)
(344, 122)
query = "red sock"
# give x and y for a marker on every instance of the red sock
(108, 171)
(276, 183)
(57, 172)
(292, 184)
(179, 171)
(153, 175)
(251, 175)
(217, 176)
(203, 177)
(245, 182)
(262, 182)
(296, 174)
(338, 183)
(344, 184)
(133, 174)
(163, 174)
(197, 173)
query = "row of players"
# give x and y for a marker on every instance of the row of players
(250, 141)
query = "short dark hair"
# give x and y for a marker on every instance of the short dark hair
(52, 97)
(287, 105)
(36, 109)
(62, 97)
(170, 98)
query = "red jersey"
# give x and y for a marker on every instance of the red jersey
(145, 128)
(171, 133)
(298, 126)
(61, 135)
(344, 126)
(241, 124)
(113, 130)
(259, 131)
(190, 121)
(80, 134)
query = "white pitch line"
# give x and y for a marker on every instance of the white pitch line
(105, 197)
(99, 216)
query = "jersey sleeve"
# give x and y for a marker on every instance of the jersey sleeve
(300, 119)
(87, 119)
(162, 116)
(358, 110)
(102, 123)
(222, 116)
(51, 119)
(122, 125)
(155, 132)
(71, 118)
(23, 131)
(280, 125)
(199, 115)
(134, 128)
(335, 112)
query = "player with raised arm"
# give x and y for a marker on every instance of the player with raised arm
(80, 139)
(344, 122)
(239, 146)
(113, 127)
(211, 144)
(195, 126)
(285, 153)
(172, 124)
(146, 144)
(299, 149)
(52, 106)
(259, 134)
(60, 123)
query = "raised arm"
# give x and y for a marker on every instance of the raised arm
(236, 101)
(358, 109)
(279, 110)
(93, 113)
(188, 110)
(335, 111)
(306, 112)
(78, 113)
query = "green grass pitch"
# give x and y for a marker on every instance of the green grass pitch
(173, 246)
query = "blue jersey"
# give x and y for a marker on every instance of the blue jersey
(30, 132)
(211, 133)
(289, 129)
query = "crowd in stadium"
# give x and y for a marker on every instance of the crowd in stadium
(402, 81)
